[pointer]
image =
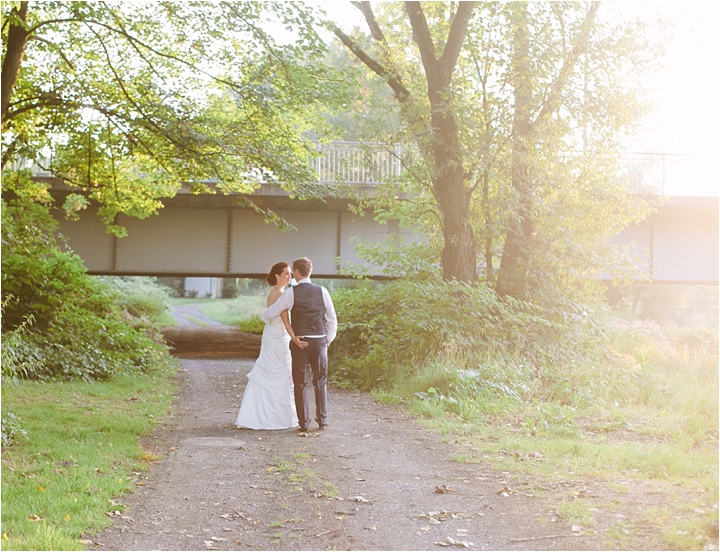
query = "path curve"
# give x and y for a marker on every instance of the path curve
(371, 481)
(190, 315)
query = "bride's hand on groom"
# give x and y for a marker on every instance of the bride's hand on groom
(298, 341)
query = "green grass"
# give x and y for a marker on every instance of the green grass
(196, 320)
(164, 319)
(81, 455)
(233, 311)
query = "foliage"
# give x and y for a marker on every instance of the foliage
(388, 330)
(126, 103)
(542, 95)
(78, 329)
(254, 324)
(17, 360)
(82, 454)
(143, 296)
(468, 343)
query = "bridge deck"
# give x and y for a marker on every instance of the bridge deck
(212, 235)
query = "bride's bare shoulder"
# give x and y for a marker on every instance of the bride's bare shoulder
(274, 295)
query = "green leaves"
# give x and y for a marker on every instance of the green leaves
(543, 95)
(78, 330)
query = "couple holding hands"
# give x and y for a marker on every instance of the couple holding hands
(300, 324)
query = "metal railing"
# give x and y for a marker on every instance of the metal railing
(357, 163)
(371, 164)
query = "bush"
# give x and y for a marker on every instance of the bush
(140, 295)
(18, 357)
(254, 324)
(80, 329)
(406, 323)
(468, 343)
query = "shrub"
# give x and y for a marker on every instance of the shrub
(254, 324)
(468, 343)
(18, 356)
(79, 329)
(140, 295)
(405, 323)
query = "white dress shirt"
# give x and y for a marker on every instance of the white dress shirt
(287, 301)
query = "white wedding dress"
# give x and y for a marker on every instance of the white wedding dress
(268, 401)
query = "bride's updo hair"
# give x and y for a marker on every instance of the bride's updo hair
(277, 269)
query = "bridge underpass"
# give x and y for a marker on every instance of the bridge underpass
(211, 236)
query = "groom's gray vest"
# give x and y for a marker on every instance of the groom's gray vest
(308, 312)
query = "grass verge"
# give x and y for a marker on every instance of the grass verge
(164, 320)
(81, 455)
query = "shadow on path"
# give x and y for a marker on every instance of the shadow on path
(212, 339)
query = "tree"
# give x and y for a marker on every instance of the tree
(128, 101)
(519, 122)
(448, 180)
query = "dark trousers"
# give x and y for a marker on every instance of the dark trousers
(313, 357)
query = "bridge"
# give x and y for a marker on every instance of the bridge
(211, 235)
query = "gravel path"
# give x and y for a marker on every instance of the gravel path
(375, 480)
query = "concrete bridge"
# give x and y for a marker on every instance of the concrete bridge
(212, 236)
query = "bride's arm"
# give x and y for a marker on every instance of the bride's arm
(286, 320)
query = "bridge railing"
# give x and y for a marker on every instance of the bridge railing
(370, 164)
(357, 162)
(38, 167)
(645, 173)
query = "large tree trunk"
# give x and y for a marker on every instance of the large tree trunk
(515, 262)
(14, 51)
(459, 256)
(516, 252)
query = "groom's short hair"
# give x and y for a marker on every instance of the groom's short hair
(303, 265)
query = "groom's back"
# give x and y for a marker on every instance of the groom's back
(308, 312)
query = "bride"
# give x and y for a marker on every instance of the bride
(268, 401)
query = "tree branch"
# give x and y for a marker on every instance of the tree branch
(45, 100)
(421, 34)
(401, 93)
(366, 10)
(457, 33)
(580, 44)
(17, 37)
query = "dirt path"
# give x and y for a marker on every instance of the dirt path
(369, 482)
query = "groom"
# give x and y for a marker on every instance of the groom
(313, 319)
